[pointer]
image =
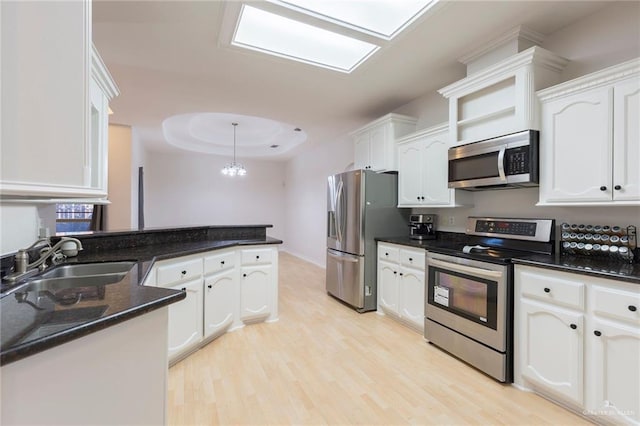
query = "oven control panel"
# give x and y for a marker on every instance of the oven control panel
(540, 230)
(506, 227)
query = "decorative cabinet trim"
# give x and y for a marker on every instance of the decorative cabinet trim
(600, 78)
(101, 75)
(392, 117)
(503, 69)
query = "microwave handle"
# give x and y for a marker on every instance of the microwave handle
(503, 149)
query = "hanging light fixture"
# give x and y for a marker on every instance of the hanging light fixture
(233, 168)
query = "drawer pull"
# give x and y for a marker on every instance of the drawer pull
(632, 308)
(573, 326)
(222, 262)
(386, 254)
(603, 188)
(597, 333)
(183, 289)
(617, 187)
(184, 272)
(400, 273)
(257, 257)
(547, 290)
(411, 259)
(395, 272)
(244, 275)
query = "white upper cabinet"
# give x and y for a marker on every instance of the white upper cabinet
(374, 143)
(590, 139)
(47, 145)
(500, 99)
(423, 169)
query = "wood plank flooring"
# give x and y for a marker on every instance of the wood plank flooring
(323, 363)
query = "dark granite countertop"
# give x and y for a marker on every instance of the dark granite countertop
(605, 268)
(32, 323)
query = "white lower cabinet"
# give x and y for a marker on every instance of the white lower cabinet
(401, 283)
(219, 307)
(185, 320)
(577, 341)
(225, 289)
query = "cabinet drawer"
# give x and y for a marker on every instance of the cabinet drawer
(219, 262)
(388, 253)
(617, 304)
(256, 256)
(559, 290)
(180, 271)
(413, 258)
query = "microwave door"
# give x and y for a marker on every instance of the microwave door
(468, 171)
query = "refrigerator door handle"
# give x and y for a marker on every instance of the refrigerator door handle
(343, 257)
(338, 211)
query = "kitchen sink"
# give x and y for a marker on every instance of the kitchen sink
(56, 284)
(86, 269)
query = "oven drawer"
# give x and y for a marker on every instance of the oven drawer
(388, 252)
(413, 258)
(558, 289)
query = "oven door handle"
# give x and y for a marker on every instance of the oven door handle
(481, 272)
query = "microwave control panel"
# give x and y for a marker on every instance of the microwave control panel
(517, 161)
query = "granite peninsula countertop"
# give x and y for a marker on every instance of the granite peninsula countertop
(601, 267)
(32, 323)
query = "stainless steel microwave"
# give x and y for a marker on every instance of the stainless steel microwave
(509, 161)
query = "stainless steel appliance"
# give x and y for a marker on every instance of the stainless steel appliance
(469, 297)
(422, 226)
(509, 161)
(361, 206)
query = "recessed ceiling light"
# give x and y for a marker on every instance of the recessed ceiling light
(288, 38)
(381, 18)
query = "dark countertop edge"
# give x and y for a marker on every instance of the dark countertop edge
(25, 350)
(31, 348)
(92, 234)
(542, 261)
(550, 264)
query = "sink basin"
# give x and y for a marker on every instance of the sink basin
(88, 269)
(54, 285)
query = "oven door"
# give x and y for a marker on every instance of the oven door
(468, 297)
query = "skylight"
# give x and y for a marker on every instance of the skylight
(335, 34)
(288, 38)
(382, 18)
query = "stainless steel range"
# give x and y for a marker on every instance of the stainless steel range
(469, 297)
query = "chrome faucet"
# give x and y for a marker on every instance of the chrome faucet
(22, 267)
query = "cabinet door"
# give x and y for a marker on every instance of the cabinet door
(361, 151)
(45, 82)
(626, 141)
(435, 177)
(614, 392)
(412, 297)
(185, 319)
(381, 155)
(219, 302)
(576, 148)
(551, 350)
(255, 284)
(388, 287)
(410, 173)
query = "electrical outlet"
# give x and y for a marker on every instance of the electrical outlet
(452, 220)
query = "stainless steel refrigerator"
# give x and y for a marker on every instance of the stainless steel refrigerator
(361, 205)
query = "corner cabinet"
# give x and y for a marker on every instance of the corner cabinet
(401, 283)
(423, 177)
(577, 341)
(500, 99)
(374, 143)
(48, 145)
(590, 139)
(226, 289)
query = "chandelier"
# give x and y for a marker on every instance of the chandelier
(233, 168)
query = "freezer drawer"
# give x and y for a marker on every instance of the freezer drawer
(345, 277)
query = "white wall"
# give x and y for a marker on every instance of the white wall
(118, 215)
(187, 189)
(306, 197)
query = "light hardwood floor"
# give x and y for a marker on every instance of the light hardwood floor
(323, 363)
